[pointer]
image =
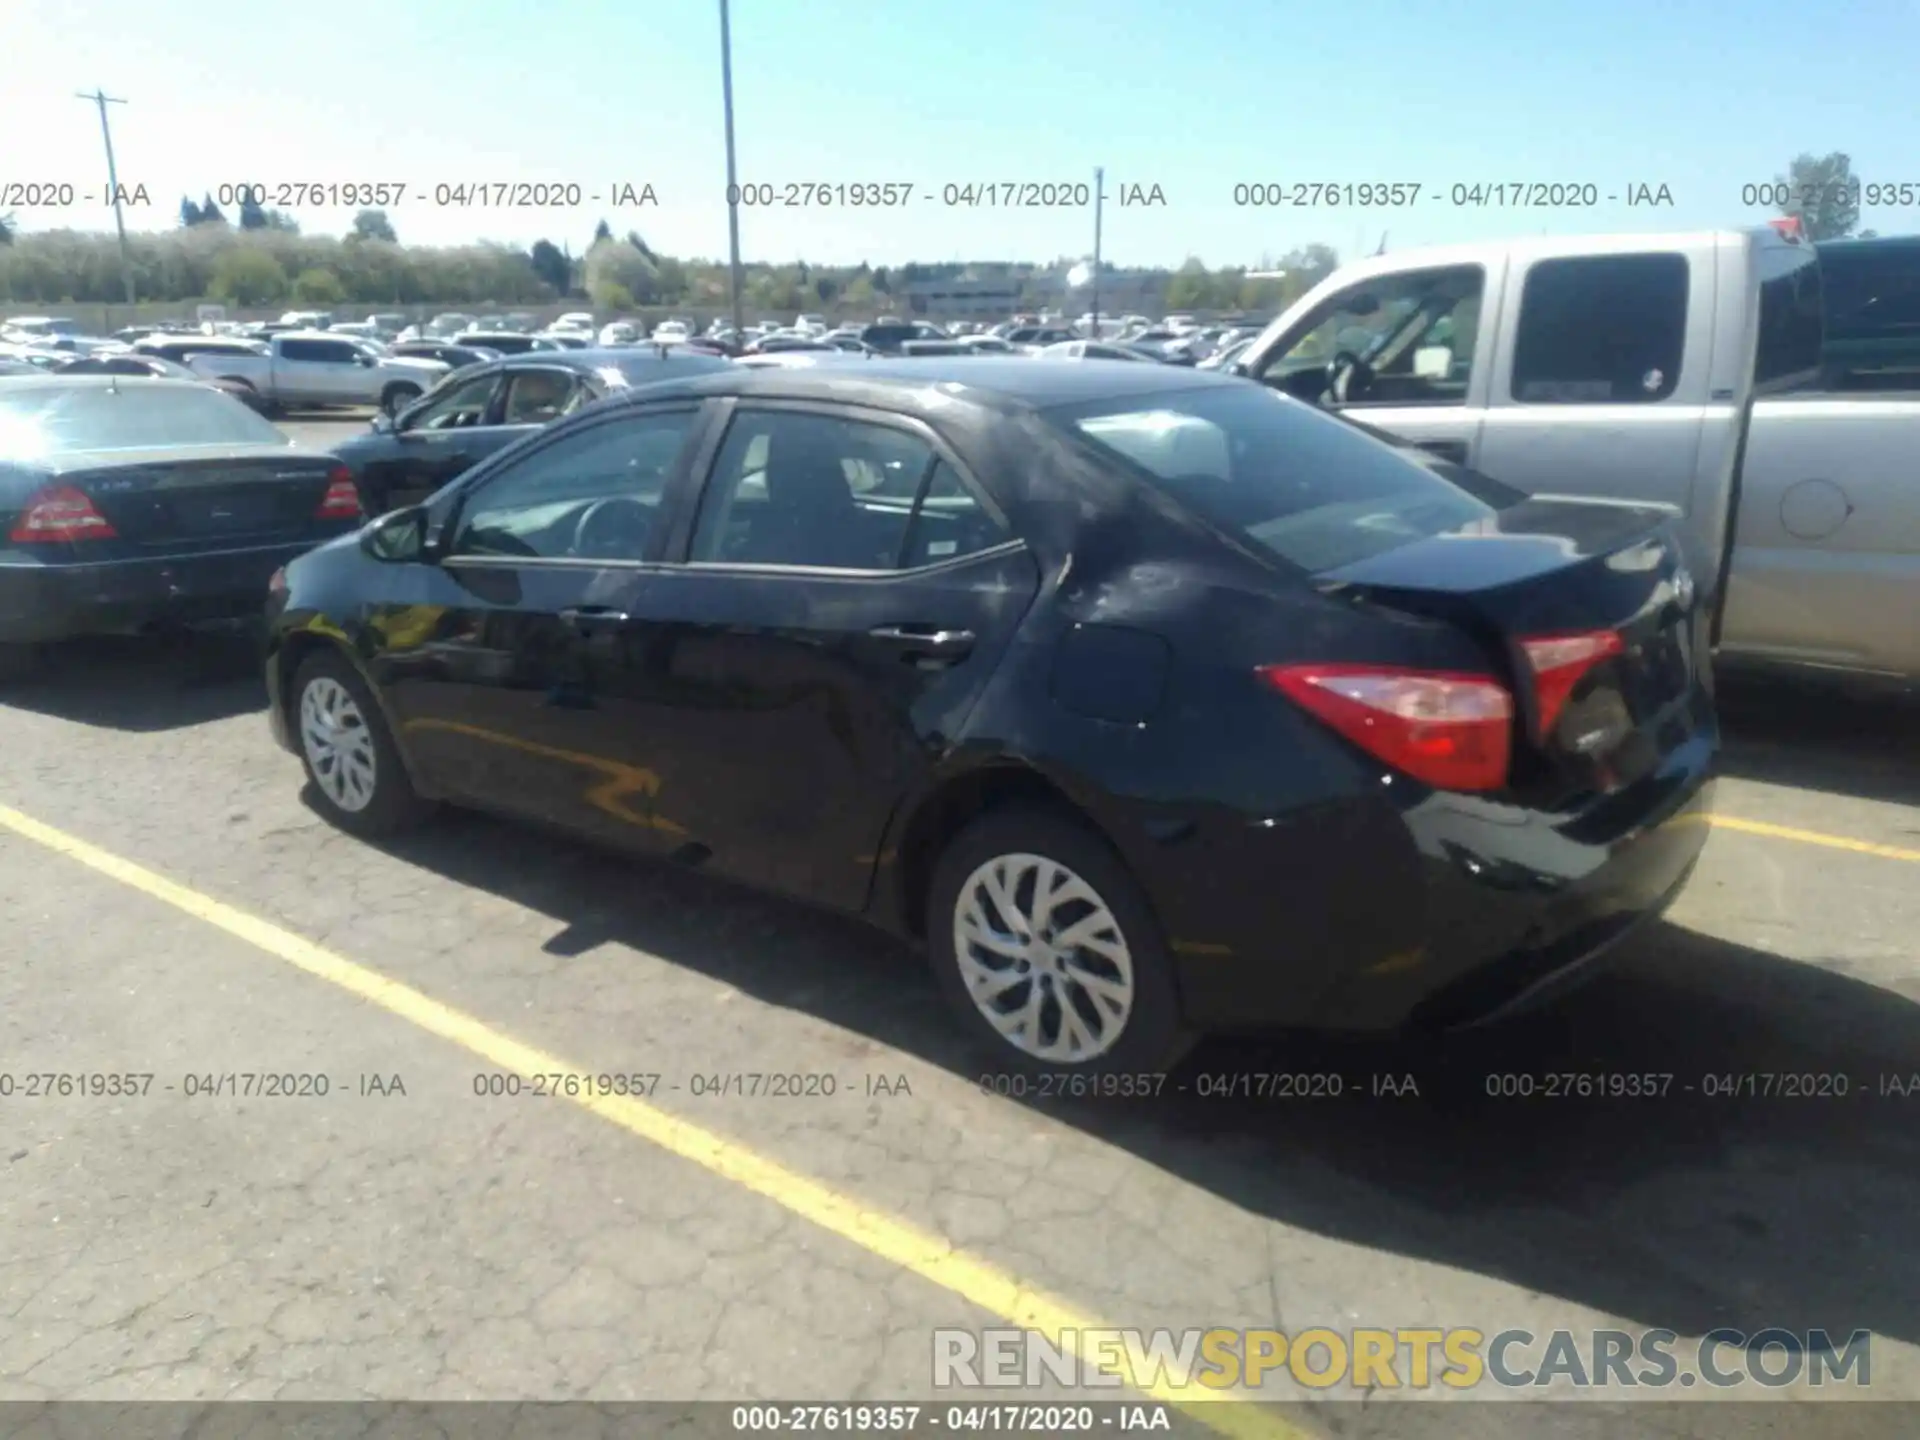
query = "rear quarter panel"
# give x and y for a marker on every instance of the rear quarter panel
(1267, 851)
(1826, 562)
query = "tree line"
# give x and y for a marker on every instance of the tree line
(259, 257)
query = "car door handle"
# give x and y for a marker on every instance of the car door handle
(594, 617)
(925, 642)
(1454, 450)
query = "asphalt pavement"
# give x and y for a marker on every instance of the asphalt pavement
(173, 908)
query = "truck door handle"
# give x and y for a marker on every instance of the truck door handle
(594, 617)
(1454, 450)
(925, 642)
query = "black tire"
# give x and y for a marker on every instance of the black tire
(20, 662)
(394, 805)
(1153, 1036)
(396, 398)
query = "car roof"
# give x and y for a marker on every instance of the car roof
(48, 380)
(612, 357)
(1000, 382)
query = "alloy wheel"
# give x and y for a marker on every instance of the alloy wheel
(337, 743)
(1043, 958)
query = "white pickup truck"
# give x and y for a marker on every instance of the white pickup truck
(311, 369)
(1678, 370)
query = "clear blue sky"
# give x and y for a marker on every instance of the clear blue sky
(1192, 96)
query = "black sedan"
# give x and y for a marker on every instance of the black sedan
(1152, 702)
(445, 351)
(477, 411)
(125, 502)
(506, 342)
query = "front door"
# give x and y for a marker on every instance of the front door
(1397, 351)
(503, 700)
(845, 593)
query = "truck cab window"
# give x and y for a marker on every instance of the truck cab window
(1405, 339)
(1601, 330)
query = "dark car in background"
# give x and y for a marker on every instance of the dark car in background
(127, 502)
(445, 351)
(1151, 701)
(886, 337)
(474, 412)
(506, 342)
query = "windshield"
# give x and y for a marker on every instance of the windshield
(47, 420)
(1304, 486)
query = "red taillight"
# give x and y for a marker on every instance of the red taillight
(1451, 731)
(1560, 662)
(60, 512)
(342, 500)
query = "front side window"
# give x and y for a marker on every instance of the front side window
(813, 490)
(1601, 330)
(1401, 339)
(590, 495)
(536, 396)
(458, 405)
(1306, 487)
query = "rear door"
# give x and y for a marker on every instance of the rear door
(320, 372)
(846, 590)
(1600, 381)
(1404, 351)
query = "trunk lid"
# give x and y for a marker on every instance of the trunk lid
(1587, 609)
(232, 495)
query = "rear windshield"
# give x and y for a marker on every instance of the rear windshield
(43, 420)
(1307, 488)
(645, 368)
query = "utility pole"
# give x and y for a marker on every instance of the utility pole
(102, 99)
(733, 175)
(1099, 199)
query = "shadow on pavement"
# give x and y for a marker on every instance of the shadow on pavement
(1679, 1209)
(1824, 738)
(164, 681)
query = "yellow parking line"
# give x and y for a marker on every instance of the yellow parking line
(924, 1253)
(1813, 837)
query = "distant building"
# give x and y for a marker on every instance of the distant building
(963, 299)
(1121, 292)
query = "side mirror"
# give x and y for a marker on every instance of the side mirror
(382, 424)
(398, 537)
(363, 360)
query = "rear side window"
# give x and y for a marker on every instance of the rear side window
(1305, 487)
(1601, 330)
(1792, 317)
